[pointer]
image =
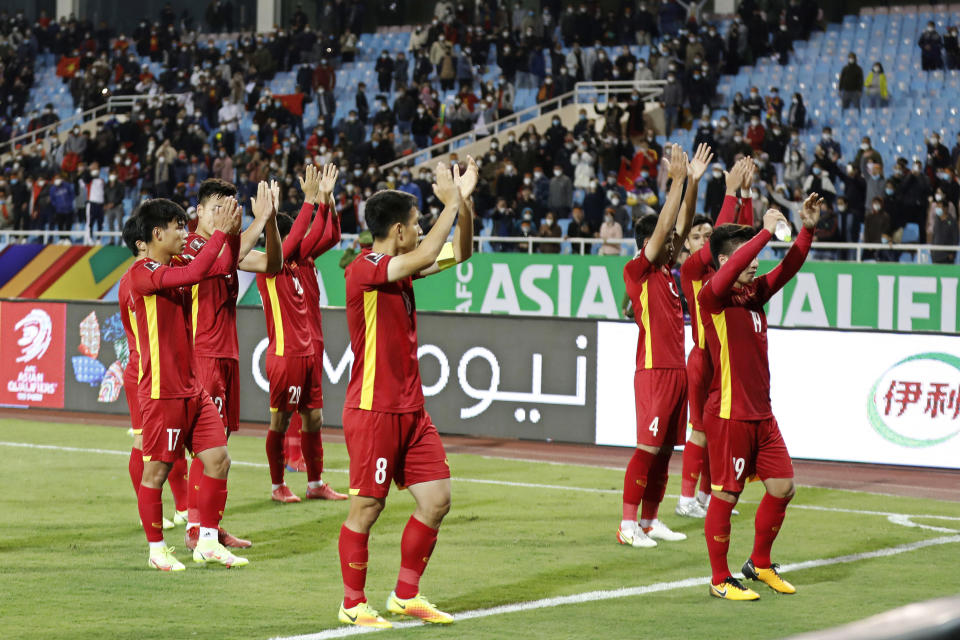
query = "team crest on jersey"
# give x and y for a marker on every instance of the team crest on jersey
(196, 244)
(375, 258)
(152, 266)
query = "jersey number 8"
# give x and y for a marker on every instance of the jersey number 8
(381, 474)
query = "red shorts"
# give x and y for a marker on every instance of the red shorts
(294, 383)
(661, 400)
(133, 400)
(699, 376)
(172, 424)
(404, 447)
(220, 377)
(745, 450)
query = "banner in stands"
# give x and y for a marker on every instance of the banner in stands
(889, 296)
(838, 395)
(31, 354)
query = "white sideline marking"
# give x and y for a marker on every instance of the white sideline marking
(508, 483)
(594, 596)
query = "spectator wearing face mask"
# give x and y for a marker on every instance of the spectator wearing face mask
(875, 87)
(672, 99)
(62, 195)
(756, 133)
(943, 231)
(818, 181)
(938, 201)
(611, 233)
(951, 47)
(547, 91)
(420, 127)
(560, 199)
(797, 115)
(716, 189)
(738, 147)
(621, 214)
(938, 156)
(867, 154)
(113, 193)
(525, 229)
(549, 229)
(850, 84)
(931, 45)
(876, 229)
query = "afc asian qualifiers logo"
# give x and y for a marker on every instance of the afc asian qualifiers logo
(916, 402)
(36, 332)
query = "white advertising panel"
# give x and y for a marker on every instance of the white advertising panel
(855, 396)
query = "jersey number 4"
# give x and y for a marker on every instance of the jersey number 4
(654, 426)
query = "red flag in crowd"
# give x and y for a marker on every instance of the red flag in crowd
(67, 67)
(292, 102)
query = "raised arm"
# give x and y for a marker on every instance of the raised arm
(425, 255)
(721, 284)
(264, 211)
(733, 179)
(325, 230)
(695, 170)
(463, 235)
(667, 221)
(310, 184)
(746, 206)
(791, 263)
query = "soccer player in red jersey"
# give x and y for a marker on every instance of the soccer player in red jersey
(694, 273)
(388, 432)
(175, 410)
(323, 235)
(660, 382)
(213, 314)
(742, 433)
(131, 374)
(295, 378)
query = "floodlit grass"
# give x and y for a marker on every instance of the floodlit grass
(73, 560)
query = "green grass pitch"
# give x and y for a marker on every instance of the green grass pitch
(73, 560)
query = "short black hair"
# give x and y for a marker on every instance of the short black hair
(212, 187)
(385, 209)
(700, 219)
(726, 238)
(284, 224)
(131, 233)
(158, 212)
(644, 227)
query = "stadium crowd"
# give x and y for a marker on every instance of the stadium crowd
(600, 174)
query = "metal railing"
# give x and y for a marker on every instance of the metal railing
(628, 246)
(112, 105)
(649, 90)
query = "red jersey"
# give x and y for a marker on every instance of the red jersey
(382, 319)
(324, 234)
(132, 372)
(213, 310)
(163, 314)
(658, 313)
(698, 268)
(285, 309)
(736, 329)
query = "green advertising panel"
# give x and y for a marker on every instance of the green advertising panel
(891, 296)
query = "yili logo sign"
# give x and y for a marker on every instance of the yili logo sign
(916, 402)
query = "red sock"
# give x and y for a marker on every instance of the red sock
(353, 565)
(213, 500)
(693, 456)
(293, 443)
(178, 484)
(193, 494)
(766, 524)
(312, 449)
(135, 467)
(635, 482)
(415, 548)
(275, 456)
(151, 513)
(656, 485)
(717, 531)
(705, 473)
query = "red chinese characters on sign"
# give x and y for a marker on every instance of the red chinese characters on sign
(32, 354)
(941, 399)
